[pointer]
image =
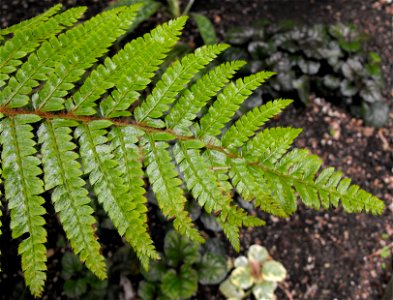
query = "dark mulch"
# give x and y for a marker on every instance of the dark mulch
(329, 254)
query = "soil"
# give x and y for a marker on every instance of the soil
(329, 254)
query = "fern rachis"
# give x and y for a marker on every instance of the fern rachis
(86, 127)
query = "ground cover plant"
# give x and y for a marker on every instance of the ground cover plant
(55, 95)
(327, 60)
(257, 273)
(183, 264)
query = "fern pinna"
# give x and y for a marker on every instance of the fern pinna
(66, 113)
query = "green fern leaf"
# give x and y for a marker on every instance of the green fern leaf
(147, 53)
(200, 179)
(232, 234)
(25, 42)
(269, 145)
(123, 141)
(228, 103)
(65, 58)
(22, 187)
(31, 23)
(62, 173)
(173, 81)
(69, 69)
(176, 138)
(251, 188)
(212, 189)
(195, 98)
(110, 188)
(245, 127)
(104, 77)
(166, 186)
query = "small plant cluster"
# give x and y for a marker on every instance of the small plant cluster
(183, 264)
(79, 281)
(257, 273)
(328, 60)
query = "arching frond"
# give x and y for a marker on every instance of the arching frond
(33, 22)
(249, 123)
(269, 145)
(101, 122)
(196, 97)
(61, 61)
(110, 187)
(106, 76)
(127, 154)
(228, 102)
(85, 53)
(172, 82)
(62, 173)
(147, 54)
(22, 188)
(26, 41)
(166, 185)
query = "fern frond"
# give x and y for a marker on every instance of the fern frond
(72, 65)
(147, 53)
(297, 170)
(106, 76)
(166, 186)
(64, 60)
(62, 173)
(173, 81)
(31, 23)
(231, 219)
(22, 187)
(232, 233)
(228, 214)
(249, 123)
(330, 185)
(269, 145)
(200, 179)
(110, 187)
(196, 97)
(26, 41)
(176, 137)
(228, 103)
(126, 152)
(252, 188)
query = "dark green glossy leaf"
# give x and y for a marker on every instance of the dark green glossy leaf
(194, 209)
(71, 265)
(206, 28)
(147, 290)
(178, 249)
(180, 285)
(261, 49)
(213, 245)
(308, 66)
(371, 92)
(75, 288)
(157, 269)
(212, 268)
(352, 68)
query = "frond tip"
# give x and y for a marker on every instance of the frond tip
(99, 122)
